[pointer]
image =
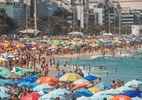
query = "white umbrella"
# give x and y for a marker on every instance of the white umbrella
(85, 98)
(81, 81)
(112, 92)
(133, 83)
(124, 89)
(136, 98)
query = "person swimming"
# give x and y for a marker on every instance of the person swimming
(115, 70)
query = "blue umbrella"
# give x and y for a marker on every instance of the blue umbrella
(34, 85)
(43, 87)
(84, 92)
(103, 85)
(4, 90)
(81, 74)
(54, 94)
(59, 92)
(90, 77)
(58, 76)
(30, 79)
(1, 76)
(4, 95)
(133, 93)
(25, 84)
(1, 84)
(71, 96)
(8, 82)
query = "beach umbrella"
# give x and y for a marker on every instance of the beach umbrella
(79, 86)
(47, 80)
(28, 71)
(58, 76)
(99, 93)
(16, 69)
(133, 83)
(25, 84)
(101, 97)
(103, 85)
(83, 92)
(81, 81)
(90, 77)
(133, 93)
(42, 92)
(43, 87)
(70, 77)
(112, 92)
(37, 75)
(13, 76)
(85, 98)
(34, 85)
(124, 89)
(30, 79)
(4, 71)
(94, 89)
(136, 98)
(31, 96)
(4, 95)
(81, 74)
(121, 97)
(8, 82)
(59, 92)
(49, 97)
(4, 90)
(71, 96)
(1, 77)
(20, 73)
(54, 94)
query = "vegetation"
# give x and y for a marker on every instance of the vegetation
(58, 24)
(7, 24)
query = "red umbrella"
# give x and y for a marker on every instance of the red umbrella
(31, 96)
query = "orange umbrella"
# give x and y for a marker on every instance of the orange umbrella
(47, 80)
(121, 97)
(79, 86)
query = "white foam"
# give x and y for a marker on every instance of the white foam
(94, 57)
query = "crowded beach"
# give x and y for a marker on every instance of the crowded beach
(31, 68)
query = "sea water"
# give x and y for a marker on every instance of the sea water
(128, 68)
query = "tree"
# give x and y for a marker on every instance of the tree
(7, 24)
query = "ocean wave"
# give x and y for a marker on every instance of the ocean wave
(94, 57)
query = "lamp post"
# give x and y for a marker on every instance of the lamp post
(35, 13)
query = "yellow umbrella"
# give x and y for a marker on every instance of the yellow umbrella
(94, 89)
(81, 81)
(70, 77)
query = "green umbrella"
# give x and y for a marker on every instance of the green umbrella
(16, 69)
(38, 75)
(28, 71)
(4, 71)
(20, 73)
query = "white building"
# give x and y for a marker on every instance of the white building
(96, 14)
(136, 30)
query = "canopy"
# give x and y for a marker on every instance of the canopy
(75, 33)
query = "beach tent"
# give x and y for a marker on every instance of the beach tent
(30, 31)
(105, 34)
(75, 33)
